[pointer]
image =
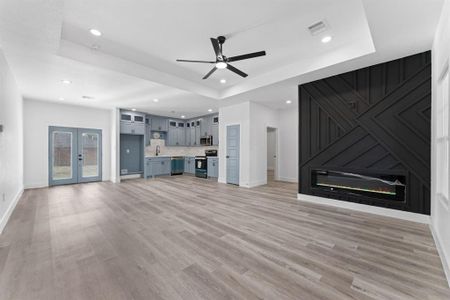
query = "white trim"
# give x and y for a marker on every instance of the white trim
(386, 212)
(36, 185)
(130, 176)
(10, 210)
(288, 179)
(444, 260)
(257, 183)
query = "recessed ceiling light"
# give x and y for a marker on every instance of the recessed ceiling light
(65, 81)
(133, 109)
(223, 81)
(155, 100)
(95, 32)
(183, 117)
(326, 39)
(61, 98)
(288, 101)
(221, 65)
(210, 110)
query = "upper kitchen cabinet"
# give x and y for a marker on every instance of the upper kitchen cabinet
(132, 123)
(187, 133)
(177, 134)
(181, 132)
(215, 130)
(148, 130)
(193, 141)
(205, 126)
(159, 124)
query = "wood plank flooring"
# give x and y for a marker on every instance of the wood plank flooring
(188, 238)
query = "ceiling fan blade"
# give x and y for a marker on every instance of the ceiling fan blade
(216, 46)
(196, 61)
(237, 71)
(210, 72)
(246, 56)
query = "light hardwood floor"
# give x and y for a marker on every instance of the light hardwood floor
(188, 238)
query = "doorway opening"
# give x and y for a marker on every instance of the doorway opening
(74, 155)
(272, 154)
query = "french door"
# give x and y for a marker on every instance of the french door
(75, 155)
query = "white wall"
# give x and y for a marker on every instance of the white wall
(271, 148)
(238, 114)
(11, 143)
(254, 120)
(440, 211)
(39, 115)
(288, 145)
(115, 145)
(261, 117)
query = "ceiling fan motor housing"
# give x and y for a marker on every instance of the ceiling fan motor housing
(221, 39)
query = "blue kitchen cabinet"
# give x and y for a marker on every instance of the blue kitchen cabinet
(213, 167)
(157, 166)
(189, 165)
(159, 124)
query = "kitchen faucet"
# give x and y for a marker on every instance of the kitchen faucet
(158, 150)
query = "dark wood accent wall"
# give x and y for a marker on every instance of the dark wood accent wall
(375, 119)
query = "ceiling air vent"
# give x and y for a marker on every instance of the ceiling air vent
(318, 27)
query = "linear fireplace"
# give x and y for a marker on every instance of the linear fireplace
(379, 186)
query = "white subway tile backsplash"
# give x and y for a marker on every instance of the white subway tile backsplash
(175, 151)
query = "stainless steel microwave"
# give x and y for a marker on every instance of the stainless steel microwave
(206, 140)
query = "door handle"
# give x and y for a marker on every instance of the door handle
(228, 156)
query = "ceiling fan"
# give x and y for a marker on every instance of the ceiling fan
(223, 62)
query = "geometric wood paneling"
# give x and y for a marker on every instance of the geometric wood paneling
(374, 119)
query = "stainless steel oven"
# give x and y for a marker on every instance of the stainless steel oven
(206, 140)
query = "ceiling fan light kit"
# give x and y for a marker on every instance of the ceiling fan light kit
(223, 62)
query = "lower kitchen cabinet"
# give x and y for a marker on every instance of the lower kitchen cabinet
(189, 165)
(213, 167)
(157, 166)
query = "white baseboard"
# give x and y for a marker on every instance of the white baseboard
(36, 185)
(257, 183)
(288, 179)
(10, 210)
(444, 259)
(131, 176)
(381, 211)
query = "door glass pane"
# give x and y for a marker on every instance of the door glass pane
(89, 146)
(62, 155)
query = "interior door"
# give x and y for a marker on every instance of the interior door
(89, 155)
(63, 151)
(75, 155)
(233, 148)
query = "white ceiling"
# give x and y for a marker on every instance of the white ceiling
(134, 60)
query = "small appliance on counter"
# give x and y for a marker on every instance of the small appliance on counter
(201, 163)
(177, 165)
